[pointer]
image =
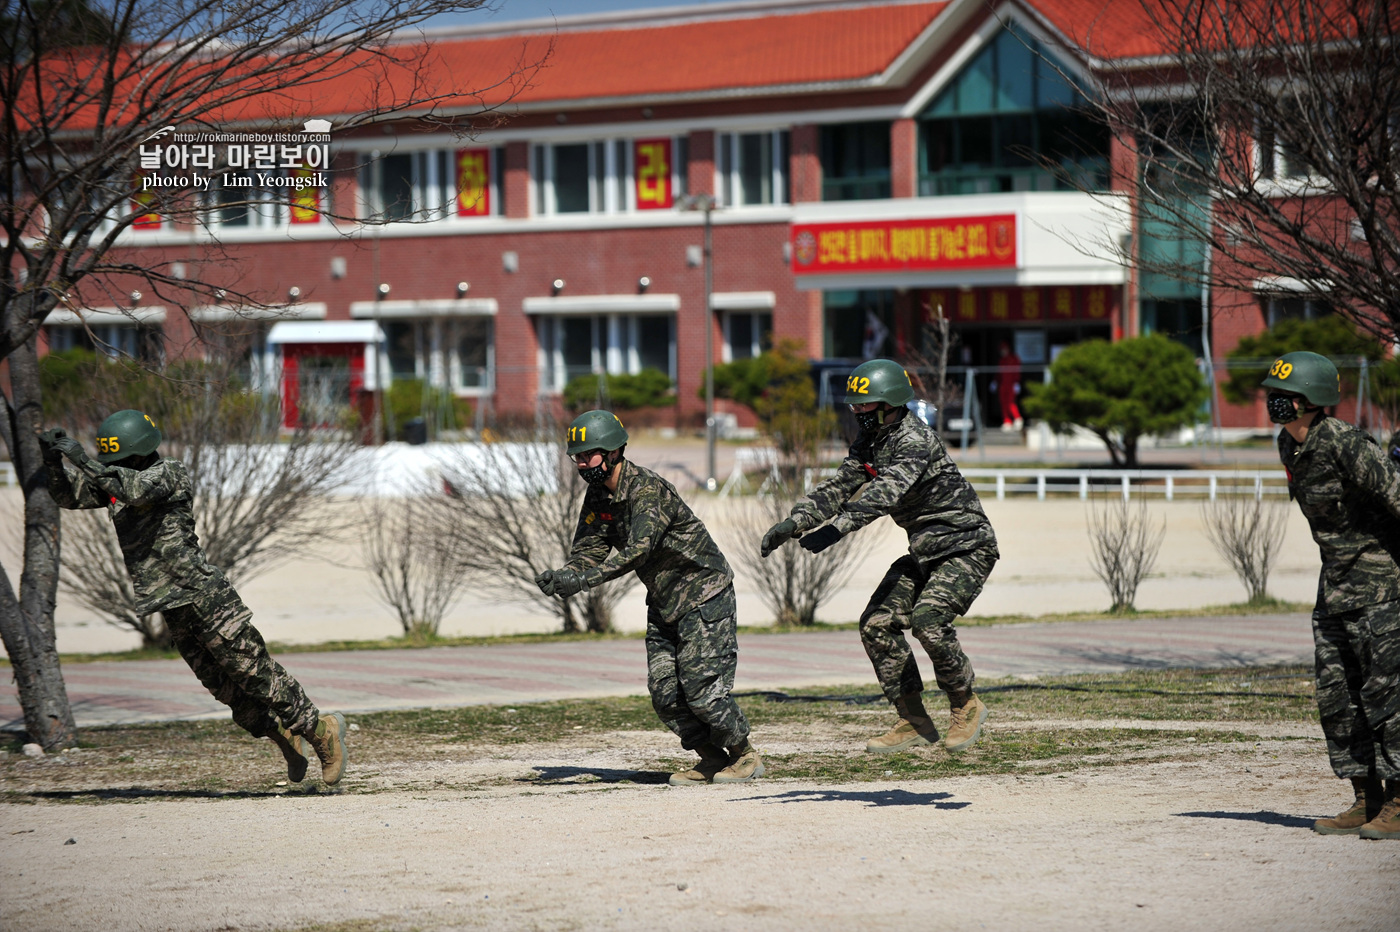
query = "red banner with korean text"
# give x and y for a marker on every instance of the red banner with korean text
(306, 201)
(144, 206)
(942, 244)
(653, 175)
(1022, 306)
(473, 182)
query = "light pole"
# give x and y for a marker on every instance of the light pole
(706, 203)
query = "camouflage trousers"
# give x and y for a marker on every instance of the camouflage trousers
(1358, 688)
(690, 672)
(924, 596)
(218, 641)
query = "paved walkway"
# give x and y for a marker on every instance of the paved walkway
(112, 692)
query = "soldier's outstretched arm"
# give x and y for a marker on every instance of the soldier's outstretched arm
(130, 486)
(590, 546)
(824, 501)
(650, 518)
(68, 489)
(885, 490)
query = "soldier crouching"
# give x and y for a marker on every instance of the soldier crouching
(634, 520)
(150, 502)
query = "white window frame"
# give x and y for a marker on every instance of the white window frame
(756, 340)
(614, 349)
(730, 188)
(432, 180)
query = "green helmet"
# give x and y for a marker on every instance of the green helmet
(1310, 375)
(596, 430)
(126, 433)
(879, 380)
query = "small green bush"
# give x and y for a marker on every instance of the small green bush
(650, 388)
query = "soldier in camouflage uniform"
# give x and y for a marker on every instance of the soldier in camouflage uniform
(634, 520)
(149, 500)
(1350, 493)
(902, 469)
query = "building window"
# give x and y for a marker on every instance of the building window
(753, 168)
(1279, 156)
(1280, 307)
(857, 324)
(435, 184)
(1008, 113)
(855, 161)
(455, 353)
(620, 344)
(1178, 318)
(583, 177)
(746, 334)
(473, 354)
(112, 340)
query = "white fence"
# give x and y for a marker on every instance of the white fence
(1169, 483)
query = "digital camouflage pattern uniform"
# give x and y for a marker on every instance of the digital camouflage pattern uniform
(904, 472)
(692, 647)
(1350, 494)
(151, 510)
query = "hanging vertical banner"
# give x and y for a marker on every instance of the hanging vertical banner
(473, 182)
(143, 205)
(306, 200)
(653, 185)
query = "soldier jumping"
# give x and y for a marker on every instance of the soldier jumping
(905, 473)
(149, 500)
(1350, 494)
(634, 520)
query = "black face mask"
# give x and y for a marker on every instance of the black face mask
(598, 475)
(872, 422)
(1283, 409)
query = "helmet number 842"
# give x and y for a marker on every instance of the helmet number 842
(858, 386)
(1281, 369)
(108, 445)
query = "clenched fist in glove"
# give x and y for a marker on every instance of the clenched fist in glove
(562, 583)
(47, 440)
(820, 539)
(777, 535)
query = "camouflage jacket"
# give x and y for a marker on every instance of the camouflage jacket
(645, 526)
(1350, 494)
(151, 511)
(906, 474)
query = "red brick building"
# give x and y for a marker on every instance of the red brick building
(872, 164)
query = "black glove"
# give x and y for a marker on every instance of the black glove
(777, 535)
(562, 583)
(67, 446)
(820, 539)
(567, 583)
(52, 458)
(545, 581)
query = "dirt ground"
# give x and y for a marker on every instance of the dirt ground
(583, 834)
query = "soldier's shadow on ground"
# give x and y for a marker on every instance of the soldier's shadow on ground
(595, 775)
(1268, 818)
(138, 792)
(869, 797)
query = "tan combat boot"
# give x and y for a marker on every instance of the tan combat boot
(913, 729)
(747, 766)
(965, 724)
(329, 744)
(712, 760)
(293, 750)
(1352, 820)
(1387, 823)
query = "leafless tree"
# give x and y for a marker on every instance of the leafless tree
(1268, 138)
(932, 361)
(81, 86)
(1123, 547)
(791, 582)
(515, 506)
(416, 567)
(1247, 531)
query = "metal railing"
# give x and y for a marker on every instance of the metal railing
(1168, 483)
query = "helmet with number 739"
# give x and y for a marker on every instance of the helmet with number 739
(879, 380)
(1308, 374)
(126, 433)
